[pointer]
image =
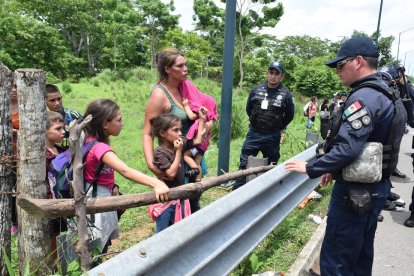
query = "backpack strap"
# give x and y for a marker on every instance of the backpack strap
(95, 178)
(85, 150)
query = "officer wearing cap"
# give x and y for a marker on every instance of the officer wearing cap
(270, 109)
(368, 116)
(390, 75)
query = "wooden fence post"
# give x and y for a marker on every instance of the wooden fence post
(6, 174)
(75, 143)
(34, 238)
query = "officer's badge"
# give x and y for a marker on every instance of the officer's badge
(366, 120)
(279, 97)
(357, 124)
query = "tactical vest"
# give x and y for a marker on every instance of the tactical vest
(268, 120)
(396, 131)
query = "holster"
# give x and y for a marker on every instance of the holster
(359, 200)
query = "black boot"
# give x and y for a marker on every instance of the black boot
(397, 173)
(410, 221)
(392, 196)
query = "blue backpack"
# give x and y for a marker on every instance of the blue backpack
(60, 173)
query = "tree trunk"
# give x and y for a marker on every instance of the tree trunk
(82, 247)
(66, 207)
(34, 238)
(91, 60)
(6, 174)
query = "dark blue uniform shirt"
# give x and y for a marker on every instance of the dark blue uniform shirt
(289, 108)
(349, 142)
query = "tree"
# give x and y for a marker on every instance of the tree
(303, 47)
(196, 49)
(157, 20)
(252, 16)
(210, 21)
(27, 43)
(90, 26)
(313, 77)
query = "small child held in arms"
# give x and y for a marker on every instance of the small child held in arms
(55, 133)
(193, 102)
(194, 155)
(168, 157)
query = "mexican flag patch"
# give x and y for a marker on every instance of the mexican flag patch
(355, 106)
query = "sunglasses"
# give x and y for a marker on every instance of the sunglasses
(341, 63)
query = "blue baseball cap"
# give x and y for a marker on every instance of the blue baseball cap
(277, 65)
(355, 46)
(389, 73)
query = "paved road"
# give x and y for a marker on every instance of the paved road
(394, 242)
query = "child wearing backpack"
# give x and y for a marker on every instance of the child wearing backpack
(106, 122)
(168, 157)
(55, 133)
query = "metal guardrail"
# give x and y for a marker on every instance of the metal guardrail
(214, 240)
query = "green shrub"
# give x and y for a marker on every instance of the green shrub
(51, 78)
(95, 82)
(66, 87)
(144, 74)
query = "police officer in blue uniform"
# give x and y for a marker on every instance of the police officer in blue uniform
(368, 116)
(270, 109)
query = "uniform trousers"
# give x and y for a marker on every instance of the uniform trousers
(348, 245)
(255, 142)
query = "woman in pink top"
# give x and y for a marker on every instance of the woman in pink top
(107, 121)
(312, 110)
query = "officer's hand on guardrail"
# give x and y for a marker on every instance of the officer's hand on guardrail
(296, 166)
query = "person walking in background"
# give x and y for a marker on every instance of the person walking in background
(270, 109)
(324, 115)
(356, 201)
(312, 110)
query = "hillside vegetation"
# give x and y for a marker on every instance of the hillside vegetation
(131, 92)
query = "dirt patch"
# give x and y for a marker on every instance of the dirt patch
(131, 237)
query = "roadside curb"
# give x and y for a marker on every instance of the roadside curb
(309, 254)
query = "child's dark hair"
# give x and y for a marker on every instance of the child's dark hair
(102, 110)
(53, 117)
(162, 123)
(51, 88)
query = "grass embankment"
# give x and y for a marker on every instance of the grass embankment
(279, 250)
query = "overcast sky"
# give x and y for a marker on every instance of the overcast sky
(332, 19)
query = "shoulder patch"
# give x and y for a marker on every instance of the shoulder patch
(356, 124)
(354, 107)
(360, 113)
(366, 120)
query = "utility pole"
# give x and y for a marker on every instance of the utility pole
(227, 88)
(379, 23)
